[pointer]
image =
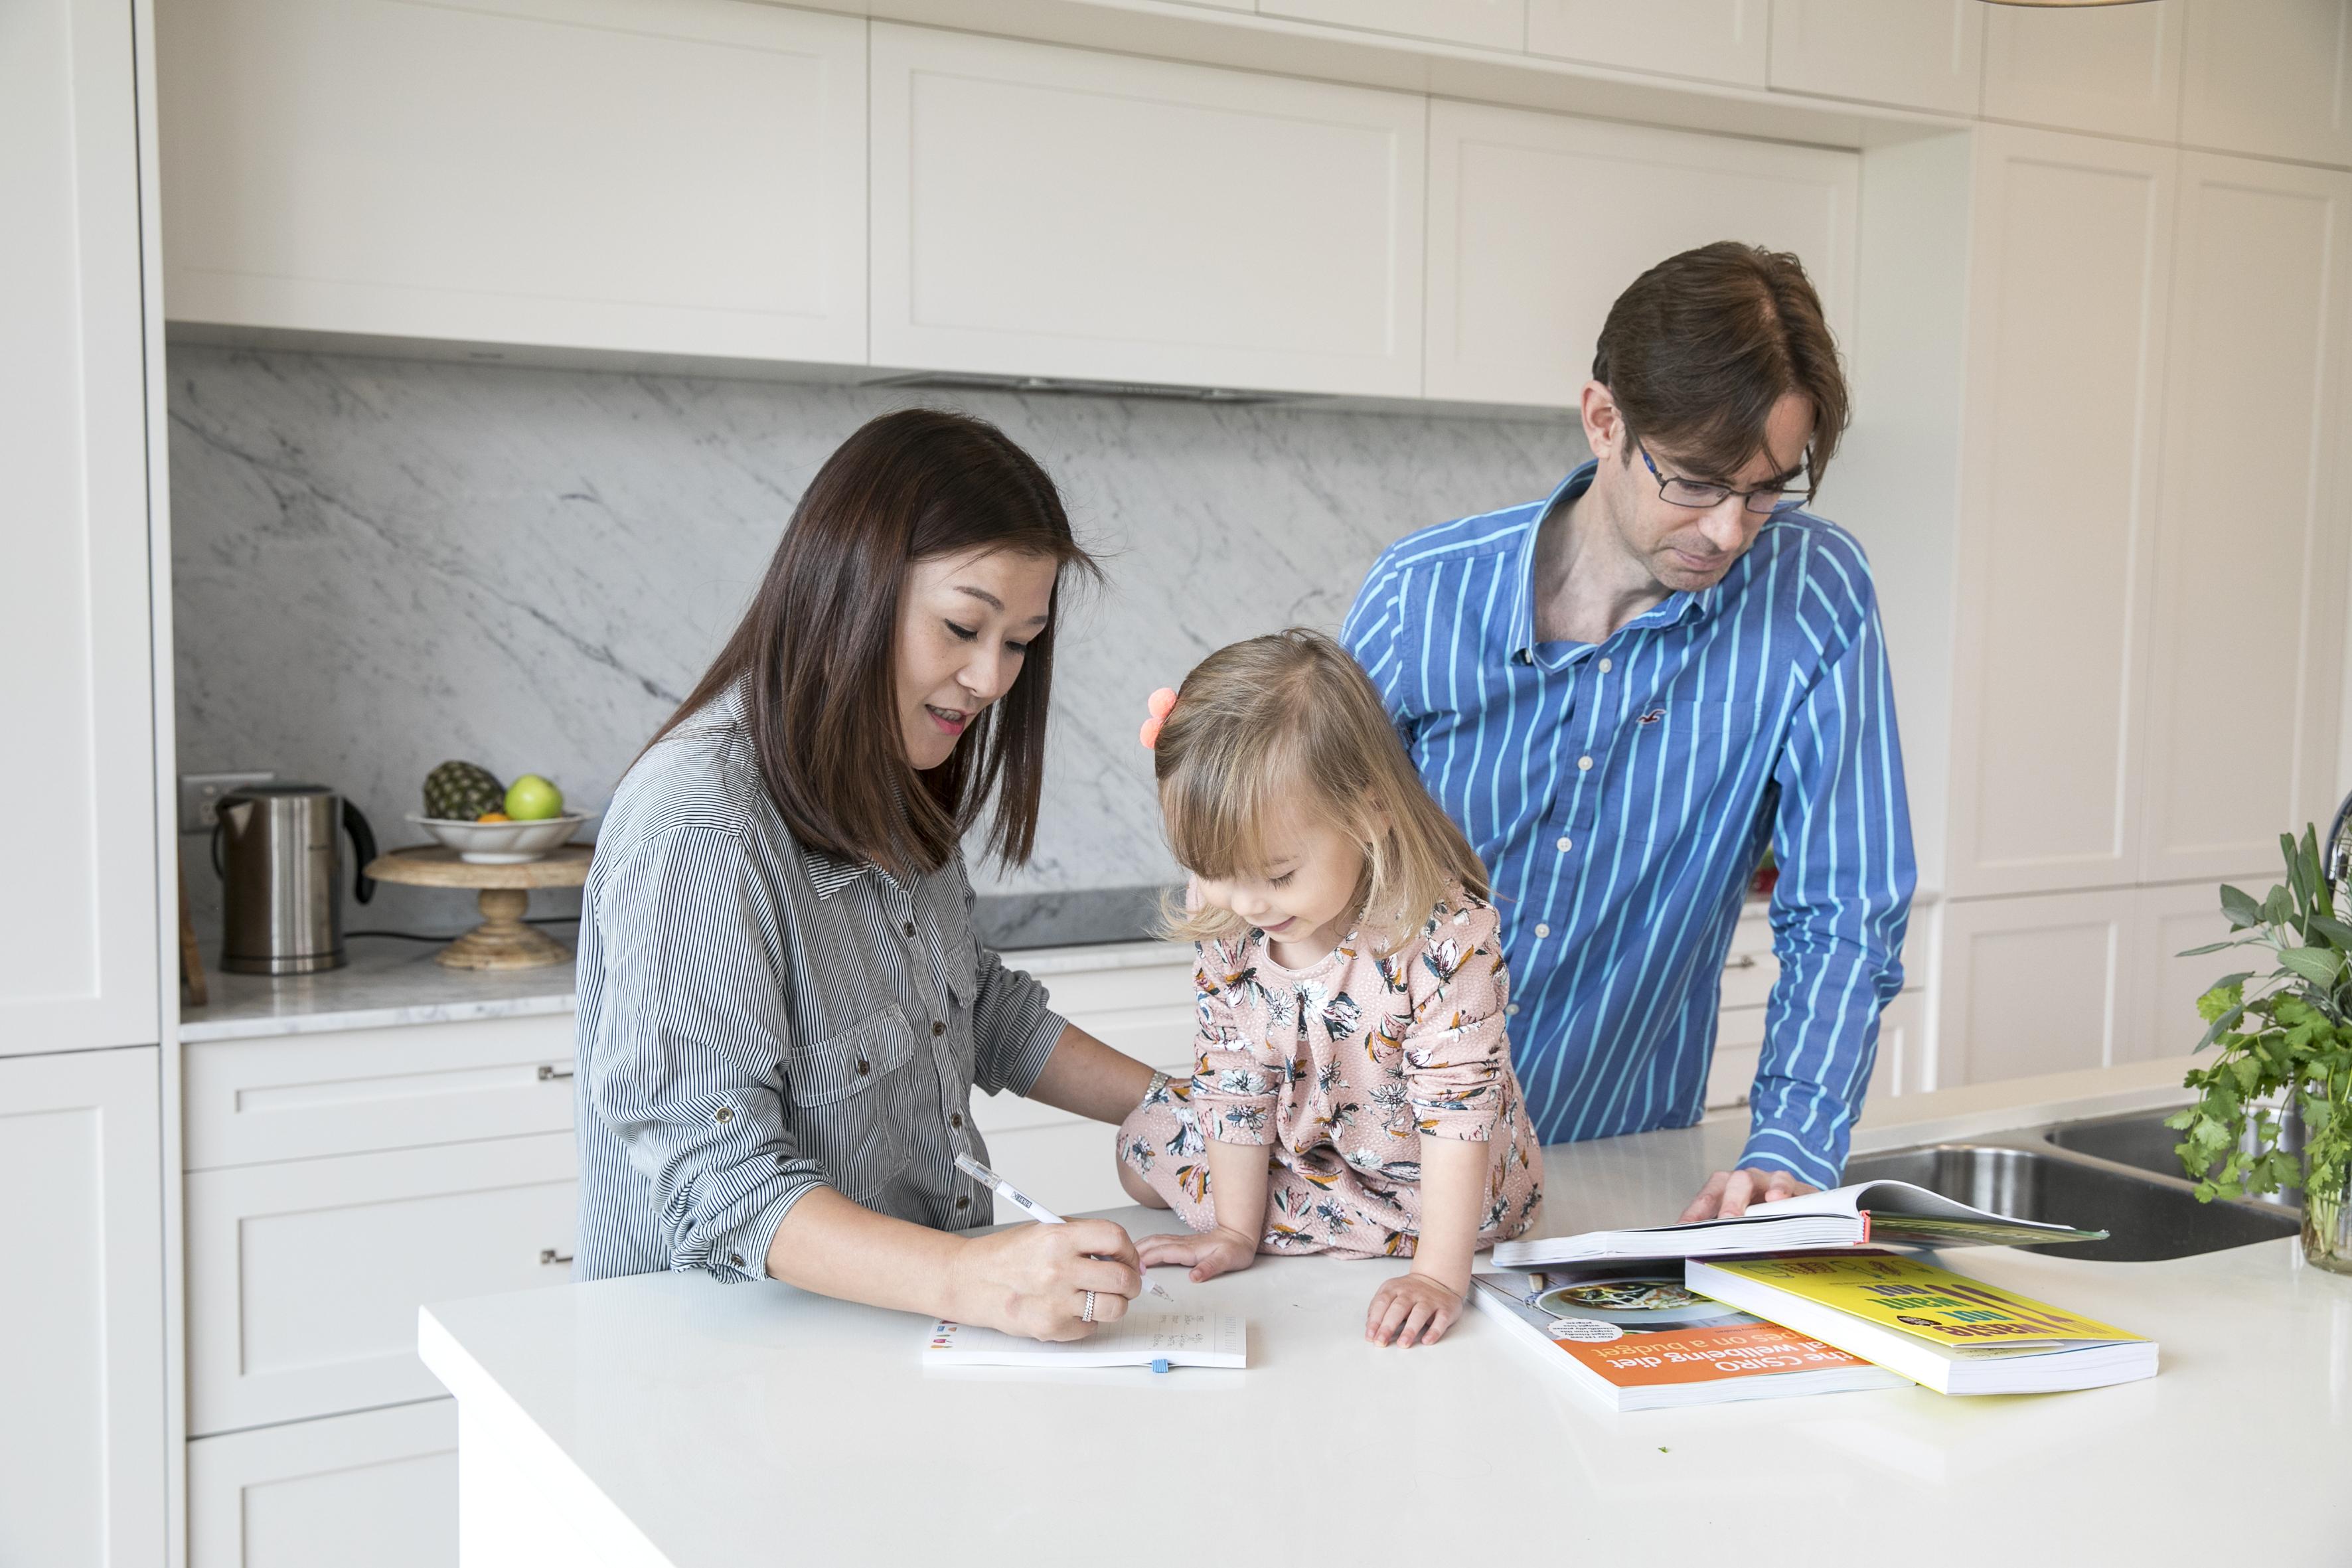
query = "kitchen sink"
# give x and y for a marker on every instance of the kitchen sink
(2144, 1143)
(2150, 1216)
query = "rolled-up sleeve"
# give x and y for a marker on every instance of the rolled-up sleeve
(1232, 1092)
(1456, 1050)
(683, 1067)
(1013, 1030)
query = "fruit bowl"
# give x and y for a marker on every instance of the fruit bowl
(503, 843)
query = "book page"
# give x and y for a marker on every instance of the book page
(1139, 1338)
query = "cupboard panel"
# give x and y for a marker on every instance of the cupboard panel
(1520, 279)
(2069, 263)
(81, 1357)
(2273, 77)
(2034, 985)
(660, 176)
(1920, 54)
(378, 1489)
(2247, 654)
(2172, 920)
(304, 1277)
(1280, 245)
(1714, 40)
(77, 930)
(2114, 70)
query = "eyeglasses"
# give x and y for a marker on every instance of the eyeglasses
(1768, 501)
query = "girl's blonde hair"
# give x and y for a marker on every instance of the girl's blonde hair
(1291, 721)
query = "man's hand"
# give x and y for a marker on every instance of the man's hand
(1728, 1193)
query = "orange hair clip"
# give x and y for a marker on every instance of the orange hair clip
(1158, 704)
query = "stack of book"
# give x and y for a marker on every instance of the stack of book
(1792, 1298)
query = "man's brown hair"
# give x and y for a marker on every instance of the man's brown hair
(1698, 350)
(815, 655)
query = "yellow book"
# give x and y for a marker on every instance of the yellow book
(1954, 1334)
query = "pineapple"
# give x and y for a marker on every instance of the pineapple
(462, 792)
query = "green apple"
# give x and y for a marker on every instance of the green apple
(533, 799)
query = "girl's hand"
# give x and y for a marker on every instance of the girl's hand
(1409, 1310)
(1033, 1280)
(1209, 1254)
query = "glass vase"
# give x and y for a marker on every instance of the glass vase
(2328, 1227)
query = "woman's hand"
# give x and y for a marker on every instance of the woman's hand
(1411, 1310)
(1033, 1280)
(1210, 1254)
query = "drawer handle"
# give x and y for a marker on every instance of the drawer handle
(548, 1255)
(1745, 960)
(549, 1074)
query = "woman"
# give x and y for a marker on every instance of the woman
(782, 1011)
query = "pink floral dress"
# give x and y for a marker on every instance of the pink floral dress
(1340, 1069)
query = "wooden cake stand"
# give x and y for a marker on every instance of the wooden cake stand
(502, 940)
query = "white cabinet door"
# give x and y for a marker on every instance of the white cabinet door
(2247, 650)
(1491, 23)
(2036, 985)
(1714, 40)
(1901, 1066)
(81, 1310)
(1918, 54)
(304, 1277)
(2171, 922)
(681, 176)
(2270, 76)
(1520, 277)
(2114, 70)
(2069, 277)
(292, 1097)
(1047, 211)
(378, 1489)
(77, 928)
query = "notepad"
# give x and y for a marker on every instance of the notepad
(1139, 1339)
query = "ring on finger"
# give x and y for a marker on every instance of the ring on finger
(1087, 1316)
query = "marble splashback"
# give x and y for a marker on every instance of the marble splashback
(381, 564)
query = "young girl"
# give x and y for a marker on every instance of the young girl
(1353, 1092)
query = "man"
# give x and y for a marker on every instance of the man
(1624, 692)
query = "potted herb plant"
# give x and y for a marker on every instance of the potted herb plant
(2285, 1041)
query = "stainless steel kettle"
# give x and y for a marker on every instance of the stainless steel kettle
(279, 858)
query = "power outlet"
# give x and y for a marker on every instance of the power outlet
(200, 796)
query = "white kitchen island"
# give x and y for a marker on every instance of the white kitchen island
(670, 1420)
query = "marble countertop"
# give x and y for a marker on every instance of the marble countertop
(646, 1415)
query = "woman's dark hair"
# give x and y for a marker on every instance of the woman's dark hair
(816, 652)
(1698, 350)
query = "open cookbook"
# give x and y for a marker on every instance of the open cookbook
(1894, 1213)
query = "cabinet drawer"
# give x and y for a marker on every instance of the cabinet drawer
(1738, 1046)
(290, 1097)
(304, 1277)
(378, 1489)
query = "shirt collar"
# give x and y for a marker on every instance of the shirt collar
(1676, 609)
(828, 875)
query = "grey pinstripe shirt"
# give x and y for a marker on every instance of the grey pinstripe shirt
(758, 1020)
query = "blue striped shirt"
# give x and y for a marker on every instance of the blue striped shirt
(1621, 793)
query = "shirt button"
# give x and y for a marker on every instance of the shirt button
(1605, 667)
(1513, 1009)
(909, 928)
(956, 1121)
(937, 1028)
(1584, 764)
(1565, 846)
(725, 1114)
(736, 1258)
(863, 1067)
(1542, 930)
(963, 1203)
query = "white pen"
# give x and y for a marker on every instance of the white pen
(1028, 1205)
